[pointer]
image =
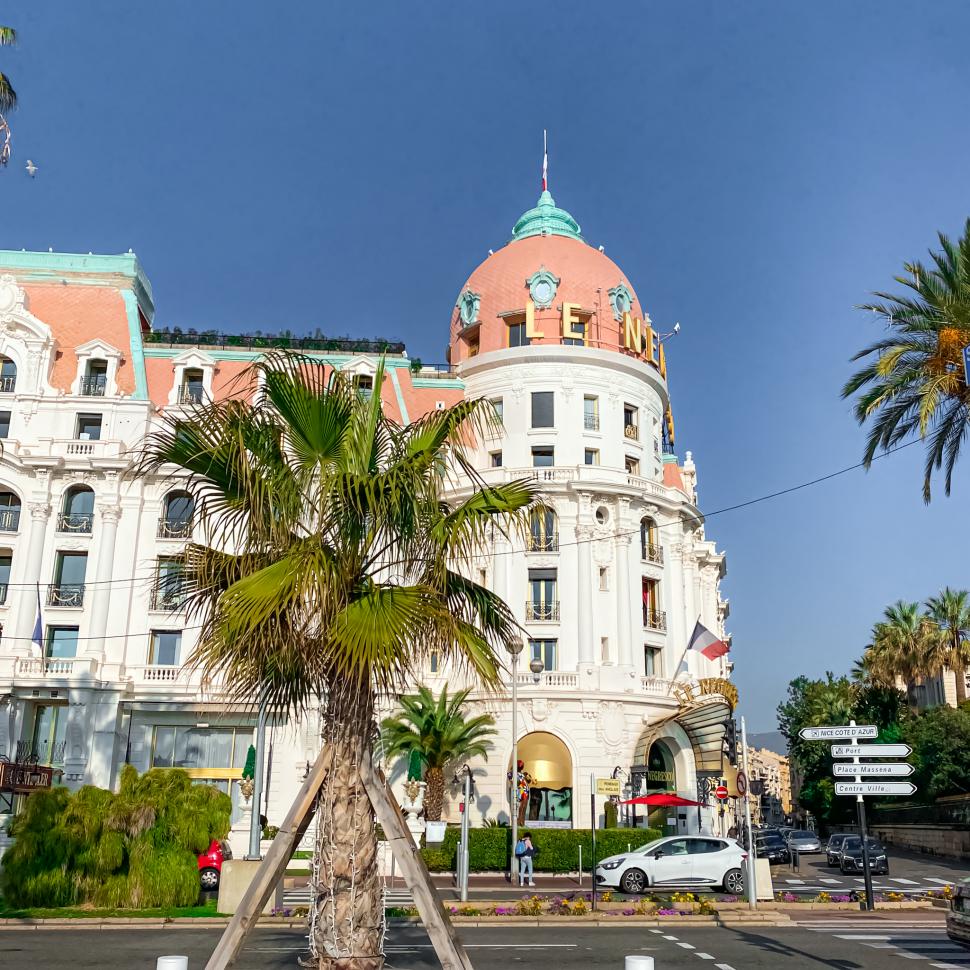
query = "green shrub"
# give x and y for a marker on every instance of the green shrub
(558, 849)
(133, 849)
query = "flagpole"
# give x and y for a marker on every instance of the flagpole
(683, 657)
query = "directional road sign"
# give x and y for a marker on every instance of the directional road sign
(886, 769)
(841, 731)
(871, 750)
(874, 788)
(966, 364)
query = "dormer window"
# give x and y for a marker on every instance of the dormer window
(365, 385)
(95, 379)
(192, 390)
(8, 375)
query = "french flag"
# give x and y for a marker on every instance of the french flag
(706, 643)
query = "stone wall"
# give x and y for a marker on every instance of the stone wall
(941, 840)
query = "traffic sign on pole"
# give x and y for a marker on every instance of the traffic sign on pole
(875, 788)
(721, 792)
(887, 769)
(834, 732)
(966, 364)
(871, 750)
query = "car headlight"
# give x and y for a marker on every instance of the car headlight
(613, 863)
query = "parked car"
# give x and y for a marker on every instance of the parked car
(773, 848)
(850, 859)
(803, 841)
(680, 862)
(833, 848)
(958, 918)
(210, 865)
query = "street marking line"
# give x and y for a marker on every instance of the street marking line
(947, 966)
(658, 932)
(882, 946)
(687, 946)
(940, 882)
(795, 882)
(704, 956)
(723, 966)
(911, 956)
(670, 937)
(905, 882)
(832, 882)
(858, 936)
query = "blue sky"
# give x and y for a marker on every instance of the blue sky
(755, 168)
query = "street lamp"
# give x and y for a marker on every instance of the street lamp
(537, 667)
(514, 648)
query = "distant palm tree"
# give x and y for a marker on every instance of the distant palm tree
(8, 97)
(330, 572)
(905, 645)
(914, 383)
(951, 611)
(440, 734)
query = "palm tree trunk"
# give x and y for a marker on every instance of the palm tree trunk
(434, 795)
(960, 672)
(349, 918)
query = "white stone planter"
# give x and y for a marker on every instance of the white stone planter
(434, 831)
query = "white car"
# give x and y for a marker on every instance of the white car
(680, 862)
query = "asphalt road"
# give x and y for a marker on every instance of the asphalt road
(854, 943)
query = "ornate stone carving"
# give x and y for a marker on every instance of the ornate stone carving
(110, 513)
(468, 304)
(621, 300)
(39, 510)
(611, 727)
(542, 708)
(13, 299)
(542, 287)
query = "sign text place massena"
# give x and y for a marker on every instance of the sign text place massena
(886, 769)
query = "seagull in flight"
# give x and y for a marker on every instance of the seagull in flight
(31, 168)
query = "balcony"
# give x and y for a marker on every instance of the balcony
(8, 385)
(542, 612)
(167, 598)
(75, 522)
(631, 431)
(155, 674)
(591, 422)
(565, 679)
(93, 387)
(69, 595)
(544, 543)
(40, 752)
(174, 528)
(189, 394)
(9, 519)
(55, 666)
(573, 474)
(652, 552)
(655, 620)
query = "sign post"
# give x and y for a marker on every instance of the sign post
(751, 880)
(861, 804)
(592, 829)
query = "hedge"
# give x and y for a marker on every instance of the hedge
(558, 849)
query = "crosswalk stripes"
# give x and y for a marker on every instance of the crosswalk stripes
(921, 940)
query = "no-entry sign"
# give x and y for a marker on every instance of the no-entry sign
(721, 792)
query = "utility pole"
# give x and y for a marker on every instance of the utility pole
(255, 829)
(751, 881)
(861, 806)
(463, 878)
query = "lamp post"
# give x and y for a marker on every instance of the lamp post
(255, 829)
(537, 667)
(514, 648)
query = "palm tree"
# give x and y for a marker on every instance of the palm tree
(440, 735)
(330, 570)
(8, 97)
(914, 383)
(905, 645)
(951, 611)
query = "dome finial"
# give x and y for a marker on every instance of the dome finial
(545, 163)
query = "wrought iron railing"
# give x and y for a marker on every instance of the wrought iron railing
(9, 519)
(93, 386)
(167, 597)
(655, 620)
(652, 552)
(547, 542)
(41, 752)
(75, 522)
(65, 594)
(8, 385)
(542, 612)
(591, 422)
(174, 528)
(631, 431)
(189, 394)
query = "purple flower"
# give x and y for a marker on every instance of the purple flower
(629, 912)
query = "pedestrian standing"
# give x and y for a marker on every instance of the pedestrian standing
(525, 851)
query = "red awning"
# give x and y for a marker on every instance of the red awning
(663, 799)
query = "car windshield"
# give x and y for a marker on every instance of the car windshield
(803, 835)
(770, 840)
(855, 843)
(651, 846)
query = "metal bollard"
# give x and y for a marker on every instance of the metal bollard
(638, 961)
(172, 963)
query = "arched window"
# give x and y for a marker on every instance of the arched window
(543, 531)
(650, 548)
(177, 511)
(192, 390)
(9, 512)
(95, 380)
(8, 375)
(77, 512)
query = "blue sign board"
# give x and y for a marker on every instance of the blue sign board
(966, 364)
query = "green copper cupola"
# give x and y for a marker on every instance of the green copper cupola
(546, 219)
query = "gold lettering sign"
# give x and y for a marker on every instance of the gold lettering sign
(631, 333)
(573, 326)
(530, 320)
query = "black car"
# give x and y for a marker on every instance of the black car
(833, 848)
(772, 848)
(850, 859)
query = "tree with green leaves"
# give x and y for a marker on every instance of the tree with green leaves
(330, 571)
(439, 733)
(951, 613)
(913, 382)
(8, 97)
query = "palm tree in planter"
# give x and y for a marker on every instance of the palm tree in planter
(440, 735)
(951, 611)
(330, 573)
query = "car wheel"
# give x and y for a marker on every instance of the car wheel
(734, 882)
(843, 870)
(209, 879)
(633, 881)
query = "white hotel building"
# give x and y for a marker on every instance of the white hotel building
(608, 587)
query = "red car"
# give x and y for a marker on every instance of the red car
(210, 865)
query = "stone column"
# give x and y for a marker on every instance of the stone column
(100, 591)
(40, 513)
(584, 593)
(625, 596)
(500, 567)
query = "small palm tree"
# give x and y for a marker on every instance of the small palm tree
(914, 383)
(330, 571)
(951, 611)
(8, 97)
(905, 646)
(440, 735)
